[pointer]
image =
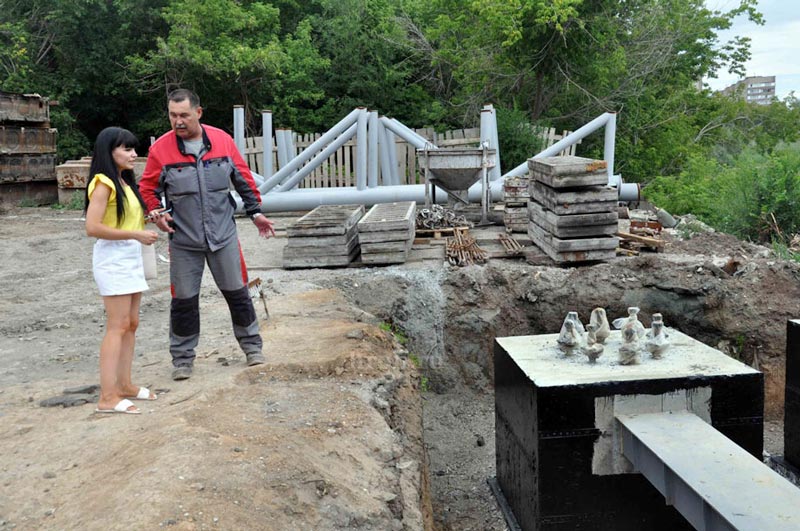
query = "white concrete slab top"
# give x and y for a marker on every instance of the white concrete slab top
(546, 365)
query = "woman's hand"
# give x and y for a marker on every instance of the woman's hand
(146, 237)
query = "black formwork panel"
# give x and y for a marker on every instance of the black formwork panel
(791, 420)
(545, 441)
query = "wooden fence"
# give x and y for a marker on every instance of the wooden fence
(339, 169)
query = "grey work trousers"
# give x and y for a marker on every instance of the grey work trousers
(186, 273)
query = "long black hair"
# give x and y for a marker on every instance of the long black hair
(109, 139)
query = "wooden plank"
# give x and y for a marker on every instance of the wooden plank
(650, 242)
(348, 154)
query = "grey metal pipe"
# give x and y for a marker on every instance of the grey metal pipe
(372, 151)
(564, 143)
(309, 198)
(386, 165)
(266, 132)
(280, 141)
(361, 150)
(311, 150)
(317, 160)
(390, 138)
(238, 129)
(496, 172)
(407, 134)
(609, 144)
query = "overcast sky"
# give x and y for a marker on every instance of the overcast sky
(775, 46)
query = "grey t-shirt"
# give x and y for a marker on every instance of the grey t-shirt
(194, 147)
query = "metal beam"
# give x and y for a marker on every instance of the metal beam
(709, 479)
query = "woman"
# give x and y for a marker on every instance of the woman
(115, 216)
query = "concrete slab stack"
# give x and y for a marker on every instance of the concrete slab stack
(572, 212)
(325, 237)
(27, 148)
(516, 194)
(386, 233)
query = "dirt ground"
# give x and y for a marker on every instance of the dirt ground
(341, 429)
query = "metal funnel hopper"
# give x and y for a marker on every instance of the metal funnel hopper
(456, 169)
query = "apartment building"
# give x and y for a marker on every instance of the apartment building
(754, 89)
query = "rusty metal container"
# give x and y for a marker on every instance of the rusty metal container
(18, 140)
(24, 108)
(24, 168)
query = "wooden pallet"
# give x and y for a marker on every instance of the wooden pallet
(438, 234)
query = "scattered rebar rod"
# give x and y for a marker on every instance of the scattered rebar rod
(462, 250)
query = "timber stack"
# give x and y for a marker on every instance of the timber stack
(516, 195)
(386, 233)
(27, 148)
(325, 237)
(573, 212)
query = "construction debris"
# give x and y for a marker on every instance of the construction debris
(439, 217)
(462, 249)
(637, 243)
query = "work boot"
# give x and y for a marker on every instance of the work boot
(255, 358)
(182, 372)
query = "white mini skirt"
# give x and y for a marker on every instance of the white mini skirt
(118, 268)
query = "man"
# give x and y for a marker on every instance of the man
(191, 168)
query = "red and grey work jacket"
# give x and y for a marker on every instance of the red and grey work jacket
(198, 190)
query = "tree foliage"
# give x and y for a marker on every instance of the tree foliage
(434, 63)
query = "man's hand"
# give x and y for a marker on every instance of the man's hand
(265, 226)
(162, 219)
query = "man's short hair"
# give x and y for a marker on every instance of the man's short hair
(179, 95)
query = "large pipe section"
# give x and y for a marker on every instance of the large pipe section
(266, 132)
(413, 138)
(317, 160)
(567, 141)
(238, 129)
(310, 198)
(311, 150)
(490, 135)
(372, 150)
(361, 149)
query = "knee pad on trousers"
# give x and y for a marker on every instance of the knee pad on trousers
(241, 306)
(185, 316)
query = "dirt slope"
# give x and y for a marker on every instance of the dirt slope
(327, 435)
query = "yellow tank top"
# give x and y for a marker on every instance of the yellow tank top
(134, 215)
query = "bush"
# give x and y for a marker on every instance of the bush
(756, 197)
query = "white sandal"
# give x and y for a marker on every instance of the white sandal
(123, 406)
(144, 394)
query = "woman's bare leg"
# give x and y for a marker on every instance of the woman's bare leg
(118, 323)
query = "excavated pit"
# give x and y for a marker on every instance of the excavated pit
(737, 302)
